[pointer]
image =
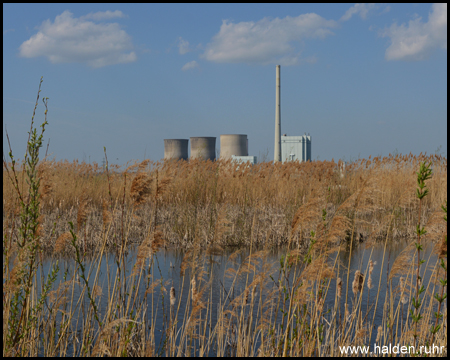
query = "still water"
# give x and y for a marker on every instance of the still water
(222, 289)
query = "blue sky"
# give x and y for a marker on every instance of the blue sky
(361, 79)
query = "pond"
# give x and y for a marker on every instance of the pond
(227, 294)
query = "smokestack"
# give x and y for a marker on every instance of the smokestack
(277, 153)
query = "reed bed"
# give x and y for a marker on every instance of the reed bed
(263, 198)
(313, 211)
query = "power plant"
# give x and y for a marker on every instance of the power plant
(235, 146)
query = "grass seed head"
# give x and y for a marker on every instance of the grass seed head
(357, 282)
(194, 290)
(172, 296)
(339, 287)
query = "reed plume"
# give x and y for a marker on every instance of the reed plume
(172, 296)
(140, 188)
(82, 213)
(339, 287)
(379, 334)
(357, 282)
(403, 297)
(194, 289)
(158, 240)
(369, 280)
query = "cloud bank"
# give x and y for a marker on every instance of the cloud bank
(417, 40)
(266, 41)
(79, 40)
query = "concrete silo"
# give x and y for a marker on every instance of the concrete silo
(233, 145)
(176, 149)
(203, 148)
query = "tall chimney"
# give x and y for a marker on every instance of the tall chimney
(277, 153)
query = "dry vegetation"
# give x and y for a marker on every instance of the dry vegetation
(246, 203)
(313, 209)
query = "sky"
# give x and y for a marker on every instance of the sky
(361, 79)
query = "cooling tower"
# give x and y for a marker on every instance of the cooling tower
(203, 147)
(277, 152)
(233, 145)
(176, 149)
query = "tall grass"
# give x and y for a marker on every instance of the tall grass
(311, 212)
(265, 195)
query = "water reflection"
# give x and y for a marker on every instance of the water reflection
(220, 281)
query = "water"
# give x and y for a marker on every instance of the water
(222, 289)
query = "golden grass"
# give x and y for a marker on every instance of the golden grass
(267, 204)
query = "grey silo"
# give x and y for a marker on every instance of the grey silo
(176, 149)
(203, 147)
(233, 144)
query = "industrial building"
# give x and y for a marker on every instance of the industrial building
(233, 144)
(296, 148)
(203, 148)
(176, 149)
(235, 147)
(243, 159)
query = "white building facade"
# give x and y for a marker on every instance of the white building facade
(295, 148)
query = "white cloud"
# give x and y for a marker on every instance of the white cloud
(190, 65)
(104, 15)
(7, 31)
(266, 41)
(361, 9)
(70, 39)
(417, 40)
(183, 46)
